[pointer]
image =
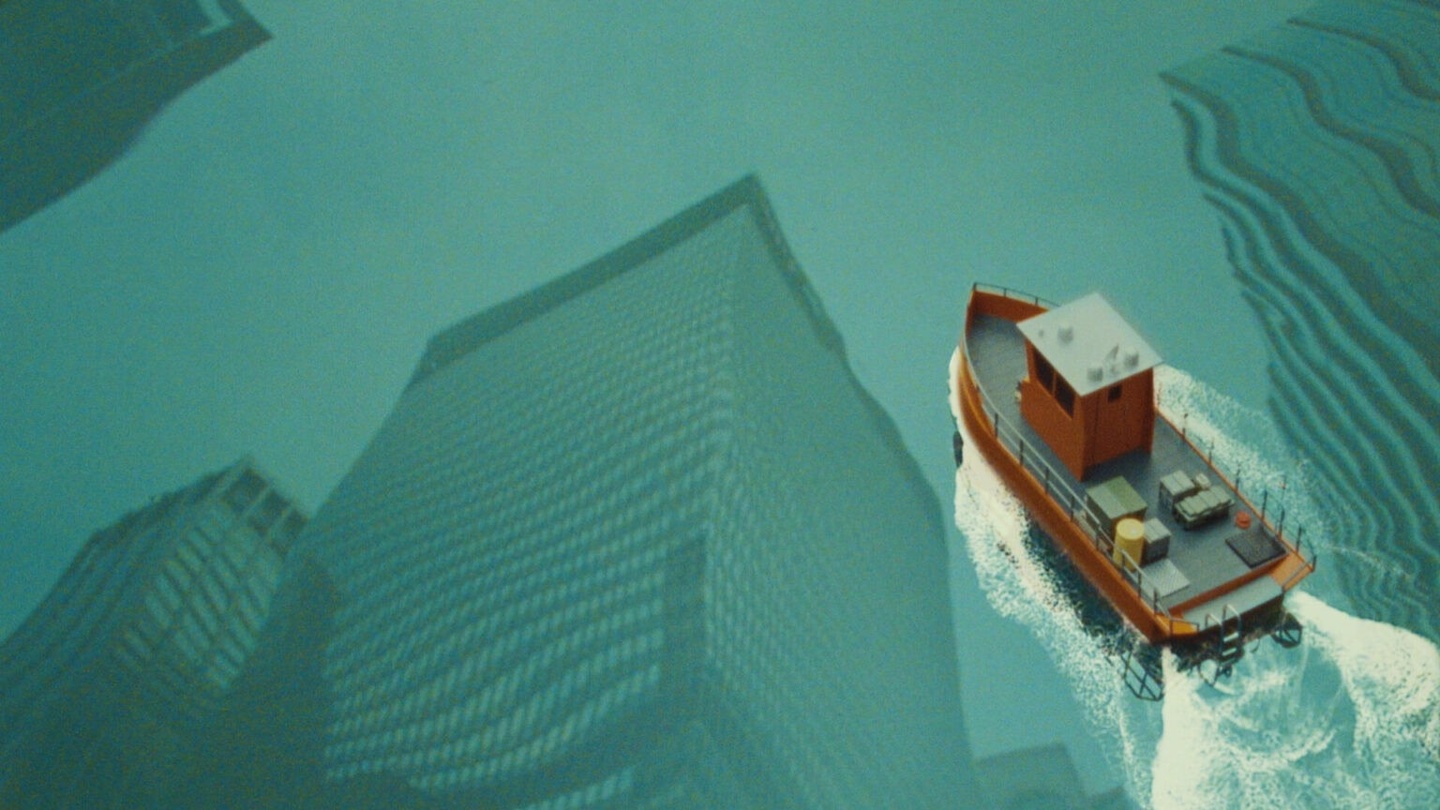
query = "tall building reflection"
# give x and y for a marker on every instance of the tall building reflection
(102, 685)
(1316, 143)
(79, 79)
(636, 539)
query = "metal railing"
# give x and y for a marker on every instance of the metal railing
(1033, 462)
(1056, 486)
(1275, 529)
(1014, 294)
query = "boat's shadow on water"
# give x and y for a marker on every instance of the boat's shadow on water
(1027, 579)
(1136, 662)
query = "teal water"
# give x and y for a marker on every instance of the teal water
(259, 272)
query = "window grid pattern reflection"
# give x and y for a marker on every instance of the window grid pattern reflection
(501, 546)
(647, 545)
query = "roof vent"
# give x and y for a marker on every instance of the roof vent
(1095, 372)
(1067, 333)
(1132, 356)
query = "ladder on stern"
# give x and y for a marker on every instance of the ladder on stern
(1229, 642)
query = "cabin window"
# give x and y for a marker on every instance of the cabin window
(1114, 394)
(1065, 395)
(1044, 372)
(1053, 383)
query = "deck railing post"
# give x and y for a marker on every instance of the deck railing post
(1264, 501)
(1047, 479)
(1280, 530)
(1300, 538)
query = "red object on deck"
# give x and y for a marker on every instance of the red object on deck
(1242, 519)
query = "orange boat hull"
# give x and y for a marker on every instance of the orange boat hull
(1157, 624)
(1058, 525)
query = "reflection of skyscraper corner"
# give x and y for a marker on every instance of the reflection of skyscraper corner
(636, 539)
(82, 79)
(139, 638)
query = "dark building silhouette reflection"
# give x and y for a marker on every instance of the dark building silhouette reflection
(263, 746)
(79, 79)
(102, 686)
(1316, 143)
(638, 538)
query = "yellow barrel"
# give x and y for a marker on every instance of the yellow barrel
(1129, 539)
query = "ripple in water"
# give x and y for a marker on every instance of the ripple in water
(1351, 718)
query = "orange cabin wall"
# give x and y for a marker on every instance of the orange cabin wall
(1059, 430)
(1113, 429)
(1100, 429)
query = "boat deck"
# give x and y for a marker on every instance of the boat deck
(1200, 559)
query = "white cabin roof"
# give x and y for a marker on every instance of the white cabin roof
(1089, 344)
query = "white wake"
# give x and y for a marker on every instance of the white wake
(1351, 718)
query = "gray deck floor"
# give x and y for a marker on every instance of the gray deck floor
(1201, 555)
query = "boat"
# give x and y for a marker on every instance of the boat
(1061, 400)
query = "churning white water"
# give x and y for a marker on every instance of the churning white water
(1350, 718)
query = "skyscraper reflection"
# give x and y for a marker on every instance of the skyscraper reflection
(80, 80)
(102, 685)
(635, 539)
(1315, 142)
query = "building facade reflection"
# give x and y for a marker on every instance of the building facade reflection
(102, 685)
(638, 538)
(1315, 141)
(80, 80)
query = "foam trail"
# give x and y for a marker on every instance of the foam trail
(1021, 587)
(1349, 719)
